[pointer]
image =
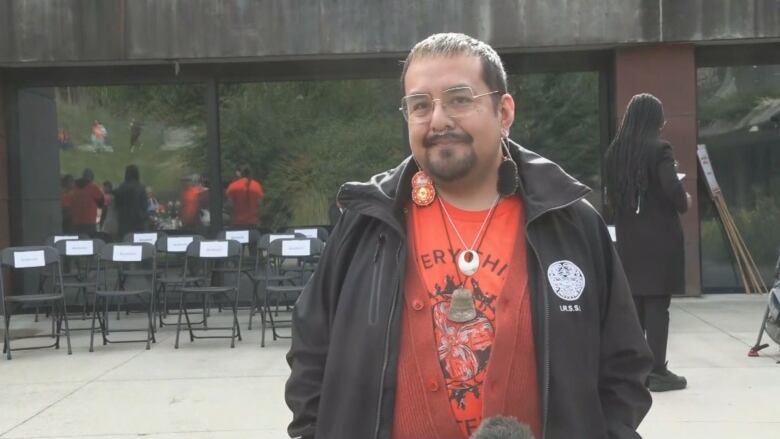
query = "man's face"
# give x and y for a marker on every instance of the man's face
(448, 148)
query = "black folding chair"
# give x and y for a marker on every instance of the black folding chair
(262, 275)
(119, 258)
(202, 257)
(66, 272)
(81, 255)
(172, 251)
(318, 232)
(280, 252)
(136, 271)
(248, 240)
(14, 259)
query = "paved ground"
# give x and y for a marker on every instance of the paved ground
(207, 390)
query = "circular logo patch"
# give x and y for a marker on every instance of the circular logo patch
(566, 279)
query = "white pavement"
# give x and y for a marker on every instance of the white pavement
(207, 390)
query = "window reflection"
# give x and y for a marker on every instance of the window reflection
(739, 121)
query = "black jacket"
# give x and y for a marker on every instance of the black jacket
(650, 243)
(592, 356)
(131, 204)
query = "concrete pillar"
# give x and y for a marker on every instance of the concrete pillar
(39, 162)
(669, 73)
(5, 220)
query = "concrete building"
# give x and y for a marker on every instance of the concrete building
(665, 47)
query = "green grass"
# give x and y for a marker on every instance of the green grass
(160, 169)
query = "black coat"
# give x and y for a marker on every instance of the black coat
(131, 204)
(591, 355)
(650, 243)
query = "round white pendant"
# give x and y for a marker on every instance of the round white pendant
(468, 267)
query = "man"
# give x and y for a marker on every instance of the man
(85, 200)
(244, 194)
(500, 294)
(135, 134)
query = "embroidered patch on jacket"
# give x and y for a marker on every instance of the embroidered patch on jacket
(566, 279)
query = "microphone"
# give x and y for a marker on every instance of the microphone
(502, 427)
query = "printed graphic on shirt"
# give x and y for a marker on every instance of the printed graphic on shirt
(463, 349)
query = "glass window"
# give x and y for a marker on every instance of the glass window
(739, 121)
(301, 141)
(557, 116)
(77, 144)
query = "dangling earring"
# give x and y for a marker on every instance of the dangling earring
(508, 176)
(423, 192)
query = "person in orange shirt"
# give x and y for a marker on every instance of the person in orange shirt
(244, 194)
(86, 198)
(190, 203)
(473, 280)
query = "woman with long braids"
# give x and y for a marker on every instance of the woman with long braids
(647, 197)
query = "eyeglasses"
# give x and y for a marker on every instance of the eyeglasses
(456, 102)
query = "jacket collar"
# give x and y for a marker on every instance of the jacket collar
(544, 186)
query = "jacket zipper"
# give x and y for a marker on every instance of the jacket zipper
(376, 281)
(387, 344)
(546, 394)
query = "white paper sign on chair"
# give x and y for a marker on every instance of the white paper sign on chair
(59, 238)
(272, 238)
(241, 236)
(79, 247)
(29, 259)
(309, 233)
(128, 253)
(296, 247)
(151, 238)
(178, 244)
(214, 249)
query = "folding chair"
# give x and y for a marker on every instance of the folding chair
(81, 254)
(136, 271)
(66, 274)
(122, 257)
(263, 275)
(172, 274)
(202, 257)
(279, 252)
(30, 258)
(318, 232)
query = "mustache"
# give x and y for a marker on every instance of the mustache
(432, 139)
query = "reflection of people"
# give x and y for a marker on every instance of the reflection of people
(86, 198)
(98, 137)
(153, 205)
(189, 212)
(63, 138)
(66, 202)
(244, 194)
(135, 134)
(470, 234)
(108, 215)
(131, 202)
(646, 195)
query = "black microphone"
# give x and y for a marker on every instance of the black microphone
(502, 427)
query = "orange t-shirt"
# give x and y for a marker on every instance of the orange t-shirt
(244, 194)
(83, 204)
(190, 205)
(464, 348)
